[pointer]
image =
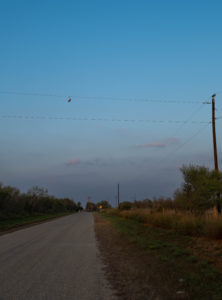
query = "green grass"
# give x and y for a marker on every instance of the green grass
(201, 279)
(21, 221)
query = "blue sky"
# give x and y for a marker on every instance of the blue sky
(153, 62)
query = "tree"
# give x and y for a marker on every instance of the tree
(146, 203)
(126, 205)
(37, 192)
(105, 204)
(200, 188)
(90, 206)
(79, 206)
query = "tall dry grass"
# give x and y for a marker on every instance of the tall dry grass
(184, 223)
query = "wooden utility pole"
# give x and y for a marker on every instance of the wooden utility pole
(215, 149)
(116, 201)
(214, 133)
(118, 195)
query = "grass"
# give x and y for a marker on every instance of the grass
(26, 220)
(201, 279)
(184, 223)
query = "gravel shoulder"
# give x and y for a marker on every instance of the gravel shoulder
(127, 267)
(135, 273)
(144, 262)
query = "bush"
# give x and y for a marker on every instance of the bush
(125, 205)
(214, 228)
(190, 225)
(167, 221)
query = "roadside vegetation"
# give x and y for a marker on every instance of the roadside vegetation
(181, 237)
(183, 223)
(195, 209)
(18, 208)
(166, 260)
(101, 205)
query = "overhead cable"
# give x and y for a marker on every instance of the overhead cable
(129, 99)
(71, 118)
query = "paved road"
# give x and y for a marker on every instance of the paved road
(53, 260)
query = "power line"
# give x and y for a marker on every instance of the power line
(189, 118)
(193, 136)
(187, 141)
(102, 98)
(70, 118)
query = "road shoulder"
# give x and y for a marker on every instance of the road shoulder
(129, 269)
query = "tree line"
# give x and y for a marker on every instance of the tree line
(13, 203)
(200, 191)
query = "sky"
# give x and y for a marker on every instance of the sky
(139, 74)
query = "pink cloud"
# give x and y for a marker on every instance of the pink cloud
(72, 162)
(160, 144)
(152, 145)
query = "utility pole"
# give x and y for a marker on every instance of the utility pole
(118, 195)
(88, 205)
(214, 134)
(215, 149)
(116, 201)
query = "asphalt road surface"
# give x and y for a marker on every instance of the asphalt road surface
(54, 260)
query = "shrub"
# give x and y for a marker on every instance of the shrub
(190, 225)
(167, 221)
(125, 205)
(214, 228)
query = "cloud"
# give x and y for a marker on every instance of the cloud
(73, 162)
(160, 144)
(152, 145)
(68, 177)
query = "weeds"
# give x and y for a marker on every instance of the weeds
(184, 223)
(199, 279)
(214, 228)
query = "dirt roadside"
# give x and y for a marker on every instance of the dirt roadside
(133, 273)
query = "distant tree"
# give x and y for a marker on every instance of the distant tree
(90, 206)
(69, 204)
(105, 204)
(161, 202)
(9, 201)
(126, 205)
(146, 203)
(79, 206)
(36, 200)
(37, 191)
